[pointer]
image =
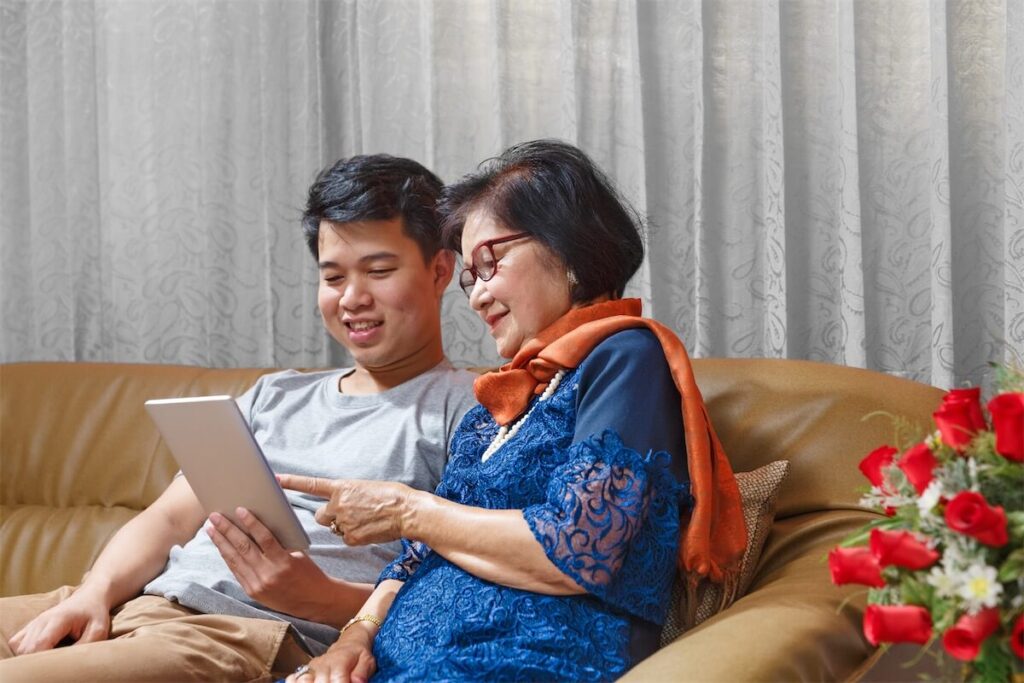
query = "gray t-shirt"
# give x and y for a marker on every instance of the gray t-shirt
(306, 426)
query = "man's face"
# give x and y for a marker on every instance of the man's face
(377, 296)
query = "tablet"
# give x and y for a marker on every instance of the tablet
(223, 463)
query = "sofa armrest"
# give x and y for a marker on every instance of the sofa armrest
(792, 625)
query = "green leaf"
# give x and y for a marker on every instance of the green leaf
(861, 536)
(1012, 568)
(993, 664)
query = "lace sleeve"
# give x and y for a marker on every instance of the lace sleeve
(405, 565)
(596, 503)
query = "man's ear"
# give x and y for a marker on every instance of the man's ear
(443, 267)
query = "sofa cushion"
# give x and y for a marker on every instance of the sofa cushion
(758, 492)
(45, 547)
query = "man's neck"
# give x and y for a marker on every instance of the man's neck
(372, 380)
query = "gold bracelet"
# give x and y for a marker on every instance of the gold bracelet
(362, 617)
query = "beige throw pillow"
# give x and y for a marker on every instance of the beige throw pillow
(758, 491)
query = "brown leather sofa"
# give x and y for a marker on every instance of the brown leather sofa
(79, 457)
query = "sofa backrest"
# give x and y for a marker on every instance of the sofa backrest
(79, 457)
(812, 414)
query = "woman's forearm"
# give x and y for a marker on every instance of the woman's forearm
(496, 545)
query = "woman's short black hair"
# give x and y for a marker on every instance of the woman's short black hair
(553, 191)
(376, 187)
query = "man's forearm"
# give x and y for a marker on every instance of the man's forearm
(139, 550)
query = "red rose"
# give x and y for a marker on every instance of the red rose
(959, 417)
(970, 514)
(902, 549)
(1008, 422)
(918, 463)
(874, 461)
(964, 638)
(1017, 638)
(897, 624)
(855, 565)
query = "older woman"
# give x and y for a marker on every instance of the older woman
(549, 549)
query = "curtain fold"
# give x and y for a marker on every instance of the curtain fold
(838, 181)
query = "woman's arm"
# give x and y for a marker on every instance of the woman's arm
(496, 545)
(351, 656)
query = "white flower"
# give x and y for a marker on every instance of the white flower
(943, 583)
(979, 587)
(933, 440)
(929, 498)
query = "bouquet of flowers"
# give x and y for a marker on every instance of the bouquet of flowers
(946, 563)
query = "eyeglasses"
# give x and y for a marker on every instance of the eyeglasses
(485, 264)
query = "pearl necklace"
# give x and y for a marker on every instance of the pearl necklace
(505, 432)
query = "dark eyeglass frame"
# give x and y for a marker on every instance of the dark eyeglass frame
(488, 245)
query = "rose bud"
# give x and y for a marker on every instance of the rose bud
(1017, 637)
(959, 417)
(874, 461)
(919, 463)
(1008, 422)
(970, 514)
(963, 640)
(897, 624)
(902, 549)
(855, 565)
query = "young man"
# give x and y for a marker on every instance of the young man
(221, 602)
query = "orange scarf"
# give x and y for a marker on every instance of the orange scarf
(564, 344)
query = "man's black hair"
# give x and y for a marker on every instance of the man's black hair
(376, 187)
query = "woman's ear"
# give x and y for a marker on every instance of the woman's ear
(443, 267)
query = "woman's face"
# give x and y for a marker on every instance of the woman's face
(529, 289)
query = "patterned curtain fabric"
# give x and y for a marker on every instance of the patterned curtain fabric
(832, 180)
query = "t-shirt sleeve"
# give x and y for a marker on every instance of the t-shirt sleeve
(247, 401)
(461, 400)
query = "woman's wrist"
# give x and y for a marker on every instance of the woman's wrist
(410, 519)
(362, 628)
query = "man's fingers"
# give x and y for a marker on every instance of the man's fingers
(235, 562)
(95, 631)
(44, 638)
(239, 539)
(260, 533)
(315, 486)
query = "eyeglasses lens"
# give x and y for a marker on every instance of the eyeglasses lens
(466, 281)
(483, 257)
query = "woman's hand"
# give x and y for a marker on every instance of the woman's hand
(362, 511)
(350, 659)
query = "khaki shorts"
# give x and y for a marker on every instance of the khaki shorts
(152, 639)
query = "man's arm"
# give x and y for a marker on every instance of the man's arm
(136, 554)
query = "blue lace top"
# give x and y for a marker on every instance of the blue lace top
(596, 471)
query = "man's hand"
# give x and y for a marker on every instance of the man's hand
(84, 616)
(362, 511)
(284, 581)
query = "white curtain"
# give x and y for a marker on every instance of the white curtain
(824, 179)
